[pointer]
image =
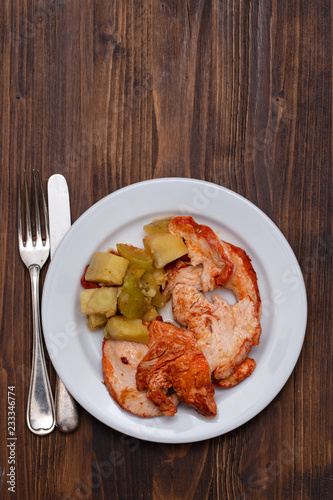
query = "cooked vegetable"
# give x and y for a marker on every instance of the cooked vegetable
(139, 276)
(157, 226)
(150, 314)
(137, 256)
(85, 283)
(131, 301)
(151, 282)
(159, 300)
(85, 296)
(136, 271)
(120, 328)
(106, 268)
(99, 301)
(155, 278)
(164, 247)
(96, 320)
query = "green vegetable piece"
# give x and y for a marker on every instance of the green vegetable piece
(150, 314)
(136, 271)
(131, 301)
(159, 300)
(137, 256)
(153, 279)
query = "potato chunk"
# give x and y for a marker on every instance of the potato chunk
(96, 320)
(157, 226)
(165, 247)
(120, 328)
(85, 296)
(106, 268)
(99, 301)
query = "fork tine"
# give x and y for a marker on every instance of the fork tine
(46, 215)
(37, 213)
(27, 210)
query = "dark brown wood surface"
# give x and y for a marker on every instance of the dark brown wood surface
(114, 92)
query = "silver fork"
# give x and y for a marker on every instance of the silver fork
(34, 253)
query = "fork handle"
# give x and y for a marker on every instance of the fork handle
(40, 410)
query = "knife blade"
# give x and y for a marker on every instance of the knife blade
(66, 408)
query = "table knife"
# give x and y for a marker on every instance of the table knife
(66, 408)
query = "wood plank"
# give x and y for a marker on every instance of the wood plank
(110, 93)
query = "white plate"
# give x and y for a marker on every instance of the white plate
(76, 352)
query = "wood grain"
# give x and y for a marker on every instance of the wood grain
(109, 93)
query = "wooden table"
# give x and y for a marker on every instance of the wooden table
(111, 93)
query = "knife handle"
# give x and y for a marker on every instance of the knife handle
(66, 409)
